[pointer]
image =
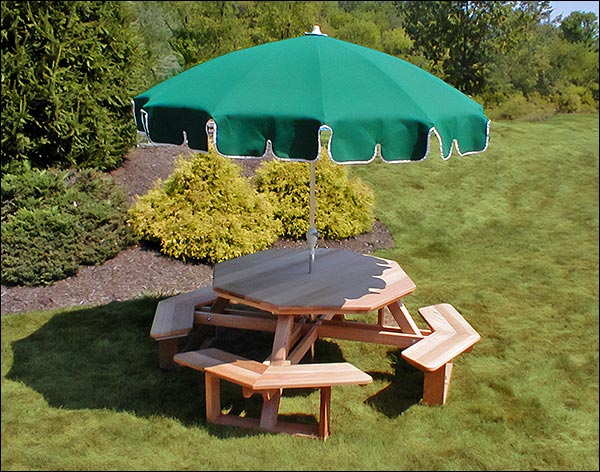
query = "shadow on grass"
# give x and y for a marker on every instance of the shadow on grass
(405, 387)
(103, 358)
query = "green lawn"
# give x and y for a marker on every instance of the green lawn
(509, 237)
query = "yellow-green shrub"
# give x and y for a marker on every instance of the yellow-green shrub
(205, 211)
(344, 205)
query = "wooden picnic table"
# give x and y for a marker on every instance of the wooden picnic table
(273, 290)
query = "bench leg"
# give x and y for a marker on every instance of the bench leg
(213, 397)
(324, 414)
(435, 387)
(167, 348)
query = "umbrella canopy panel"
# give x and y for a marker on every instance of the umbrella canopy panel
(280, 94)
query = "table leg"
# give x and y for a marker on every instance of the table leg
(281, 345)
(270, 410)
(281, 342)
(435, 386)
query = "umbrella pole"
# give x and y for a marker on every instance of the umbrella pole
(311, 234)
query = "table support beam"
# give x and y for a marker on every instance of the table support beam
(403, 318)
(347, 330)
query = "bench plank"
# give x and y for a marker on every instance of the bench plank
(451, 336)
(236, 369)
(451, 316)
(437, 349)
(436, 319)
(244, 373)
(174, 316)
(311, 376)
(210, 357)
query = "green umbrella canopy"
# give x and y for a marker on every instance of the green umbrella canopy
(282, 93)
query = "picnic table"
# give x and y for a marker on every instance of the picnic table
(273, 291)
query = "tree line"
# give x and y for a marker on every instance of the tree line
(70, 69)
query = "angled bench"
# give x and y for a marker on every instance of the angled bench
(174, 320)
(450, 336)
(269, 381)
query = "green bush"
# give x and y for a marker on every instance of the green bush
(517, 106)
(54, 221)
(344, 205)
(205, 211)
(574, 99)
(69, 71)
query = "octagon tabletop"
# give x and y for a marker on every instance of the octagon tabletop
(278, 281)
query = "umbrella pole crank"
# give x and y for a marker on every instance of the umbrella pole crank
(312, 234)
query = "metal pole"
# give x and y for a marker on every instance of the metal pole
(311, 234)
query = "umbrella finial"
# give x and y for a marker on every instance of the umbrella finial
(316, 31)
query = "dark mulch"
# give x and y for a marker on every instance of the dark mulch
(141, 269)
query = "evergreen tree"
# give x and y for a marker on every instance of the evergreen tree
(69, 72)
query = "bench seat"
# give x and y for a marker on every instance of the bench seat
(174, 319)
(269, 380)
(230, 367)
(451, 335)
(174, 316)
(311, 376)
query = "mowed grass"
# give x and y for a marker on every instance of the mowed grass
(509, 237)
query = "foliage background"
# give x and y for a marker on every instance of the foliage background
(205, 211)
(345, 205)
(54, 221)
(69, 71)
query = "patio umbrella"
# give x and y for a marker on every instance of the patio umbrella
(277, 97)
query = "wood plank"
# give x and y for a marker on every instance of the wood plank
(212, 385)
(436, 319)
(174, 316)
(219, 305)
(167, 348)
(294, 429)
(236, 369)
(432, 352)
(403, 318)
(311, 376)
(270, 410)
(307, 341)
(325, 413)
(452, 316)
(435, 385)
(239, 372)
(281, 341)
(367, 332)
(445, 342)
(225, 320)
